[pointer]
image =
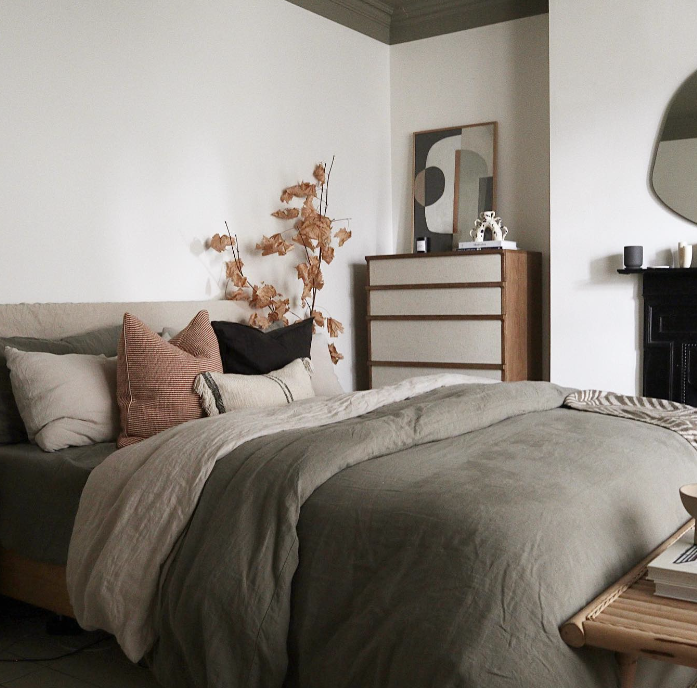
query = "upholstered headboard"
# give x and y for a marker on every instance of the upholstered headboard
(55, 320)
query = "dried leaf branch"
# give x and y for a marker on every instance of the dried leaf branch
(314, 231)
(264, 297)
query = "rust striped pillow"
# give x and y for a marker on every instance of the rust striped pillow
(155, 378)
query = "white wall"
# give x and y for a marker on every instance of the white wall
(497, 72)
(613, 68)
(129, 131)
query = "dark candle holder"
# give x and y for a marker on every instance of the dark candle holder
(633, 256)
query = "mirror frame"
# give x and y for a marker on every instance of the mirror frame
(657, 143)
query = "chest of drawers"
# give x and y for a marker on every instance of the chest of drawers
(471, 311)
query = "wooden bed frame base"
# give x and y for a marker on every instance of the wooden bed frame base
(35, 582)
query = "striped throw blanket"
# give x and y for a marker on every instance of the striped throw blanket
(679, 418)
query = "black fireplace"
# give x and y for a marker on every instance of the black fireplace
(670, 334)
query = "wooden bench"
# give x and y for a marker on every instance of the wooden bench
(633, 622)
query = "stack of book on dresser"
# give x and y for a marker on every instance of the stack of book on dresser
(675, 571)
(479, 245)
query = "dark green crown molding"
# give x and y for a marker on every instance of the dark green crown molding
(410, 20)
(371, 17)
(437, 17)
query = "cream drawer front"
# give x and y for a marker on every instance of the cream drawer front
(468, 301)
(436, 341)
(388, 375)
(437, 270)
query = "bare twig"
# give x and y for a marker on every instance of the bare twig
(307, 253)
(314, 283)
(321, 194)
(326, 199)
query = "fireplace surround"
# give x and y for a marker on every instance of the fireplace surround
(670, 333)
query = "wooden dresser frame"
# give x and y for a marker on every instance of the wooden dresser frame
(521, 312)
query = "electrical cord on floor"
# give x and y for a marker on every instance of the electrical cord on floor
(53, 659)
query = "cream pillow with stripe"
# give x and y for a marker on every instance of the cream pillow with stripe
(221, 392)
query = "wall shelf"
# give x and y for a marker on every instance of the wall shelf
(654, 271)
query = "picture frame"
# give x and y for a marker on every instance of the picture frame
(454, 178)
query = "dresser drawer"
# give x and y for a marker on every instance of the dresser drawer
(436, 270)
(462, 301)
(382, 376)
(436, 341)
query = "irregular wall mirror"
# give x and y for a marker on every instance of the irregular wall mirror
(674, 172)
(454, 181)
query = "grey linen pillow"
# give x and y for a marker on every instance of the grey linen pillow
(103, 341)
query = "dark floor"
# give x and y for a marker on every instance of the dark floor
(23, 635)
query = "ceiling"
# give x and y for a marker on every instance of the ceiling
(399, 21)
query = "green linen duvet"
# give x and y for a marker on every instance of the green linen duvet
(438, 541)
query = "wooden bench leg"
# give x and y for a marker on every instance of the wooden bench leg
(627, 664)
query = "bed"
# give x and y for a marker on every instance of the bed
(431, 534)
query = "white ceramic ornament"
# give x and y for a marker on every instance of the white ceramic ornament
(488, 220)
(684, 255)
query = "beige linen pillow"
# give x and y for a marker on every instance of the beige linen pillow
(222, 392)
(64, 400)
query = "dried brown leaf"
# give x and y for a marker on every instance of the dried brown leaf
(262, 296)
(304, 274)
(318, 318)
(259, 321)
(328, 254)
(311, 275)
(334, 327)
(233, 270)
(305, 241)
(336, 356)
(238, 295)
(220, 242)
(308, 209)
(319, 173)
(316, 273)
(281, 306)
(299, 239)
(325, 233)
(316, 230)
(300, 190)
(286, 213)
(274, 244)
(343, 235)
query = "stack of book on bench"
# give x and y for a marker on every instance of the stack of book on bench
(675, 571)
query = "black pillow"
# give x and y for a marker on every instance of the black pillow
(248, 351)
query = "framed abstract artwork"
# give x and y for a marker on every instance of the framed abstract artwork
(454, 181)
